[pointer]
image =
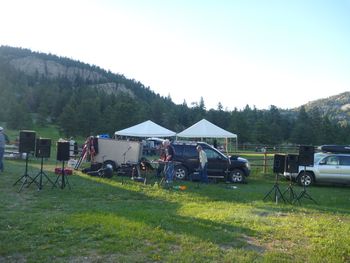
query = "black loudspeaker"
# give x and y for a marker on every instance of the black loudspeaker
(279, 161)
(63, 151)
(306, 155)
(292, 163)
(43, 148)
(27, 141)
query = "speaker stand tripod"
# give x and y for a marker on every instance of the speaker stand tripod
(40, 175)
(303, 193)
(25, 177)
(62, 179)
(276, 191)
(289, 192)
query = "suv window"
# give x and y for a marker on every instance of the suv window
(344, 160)
(190, 151)
(331, 160)
(212, 154)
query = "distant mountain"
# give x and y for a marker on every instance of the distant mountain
(336, 107)
(81, 99)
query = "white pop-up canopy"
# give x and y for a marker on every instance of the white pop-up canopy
(146, 129)
(205, 129)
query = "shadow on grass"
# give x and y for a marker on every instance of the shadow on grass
(53, 218)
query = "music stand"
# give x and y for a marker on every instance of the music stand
(25, 177)
(40, 174)
(303, 193)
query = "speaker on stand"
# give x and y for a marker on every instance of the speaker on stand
(306, 158)
(278, 167)
(62, 156)
(291, 166)
(42, 150)
(26, 146)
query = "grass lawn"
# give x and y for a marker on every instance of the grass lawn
(103, 220)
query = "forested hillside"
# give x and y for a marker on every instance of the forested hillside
(82, 99)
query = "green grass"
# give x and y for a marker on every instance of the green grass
(103, 220)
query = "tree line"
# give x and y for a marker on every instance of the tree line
(79, 109)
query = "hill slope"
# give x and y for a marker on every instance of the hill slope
(336, 107)
(84, 99)
(49, 85)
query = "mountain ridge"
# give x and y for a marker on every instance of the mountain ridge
(336, 107)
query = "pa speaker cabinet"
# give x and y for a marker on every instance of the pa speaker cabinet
(279, 161)
(292, 163)
(63, 150)
(306, 155)
(27, 141)
(43, 148)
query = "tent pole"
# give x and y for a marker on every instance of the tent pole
(237, 144)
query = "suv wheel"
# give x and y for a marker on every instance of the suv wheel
(180, 172)
(305, 178)
(237, 176)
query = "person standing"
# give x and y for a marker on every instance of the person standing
(203, 163)
(169, 155)
(3, 140)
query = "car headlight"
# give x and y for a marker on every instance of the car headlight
(247, 164)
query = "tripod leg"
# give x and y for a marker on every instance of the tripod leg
(268, 194)
(34, 180)
(19, 179)
(48, 178)
(56, 182)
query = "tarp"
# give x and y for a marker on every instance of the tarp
(205, 129)
(146, 129)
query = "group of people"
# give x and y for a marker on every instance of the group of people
(167, 156)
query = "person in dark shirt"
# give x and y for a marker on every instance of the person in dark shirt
(161, 160)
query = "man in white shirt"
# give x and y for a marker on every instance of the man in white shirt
(203, 163)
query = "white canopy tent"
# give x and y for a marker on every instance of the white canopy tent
(146, 129)
(206, 129)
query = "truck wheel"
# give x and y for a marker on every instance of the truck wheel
(306, 178)
(237, 176)
(180, 172)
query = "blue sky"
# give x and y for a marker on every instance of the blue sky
(283, 53)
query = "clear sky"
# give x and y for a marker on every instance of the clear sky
(237, 52)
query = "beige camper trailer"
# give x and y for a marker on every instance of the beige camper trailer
(118, 152)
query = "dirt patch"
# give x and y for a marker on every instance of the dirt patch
(245, 242)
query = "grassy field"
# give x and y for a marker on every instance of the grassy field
(103, 220)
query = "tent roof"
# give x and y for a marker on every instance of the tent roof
(205, 129)
(146, 129)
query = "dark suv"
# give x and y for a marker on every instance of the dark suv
(233, 169)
